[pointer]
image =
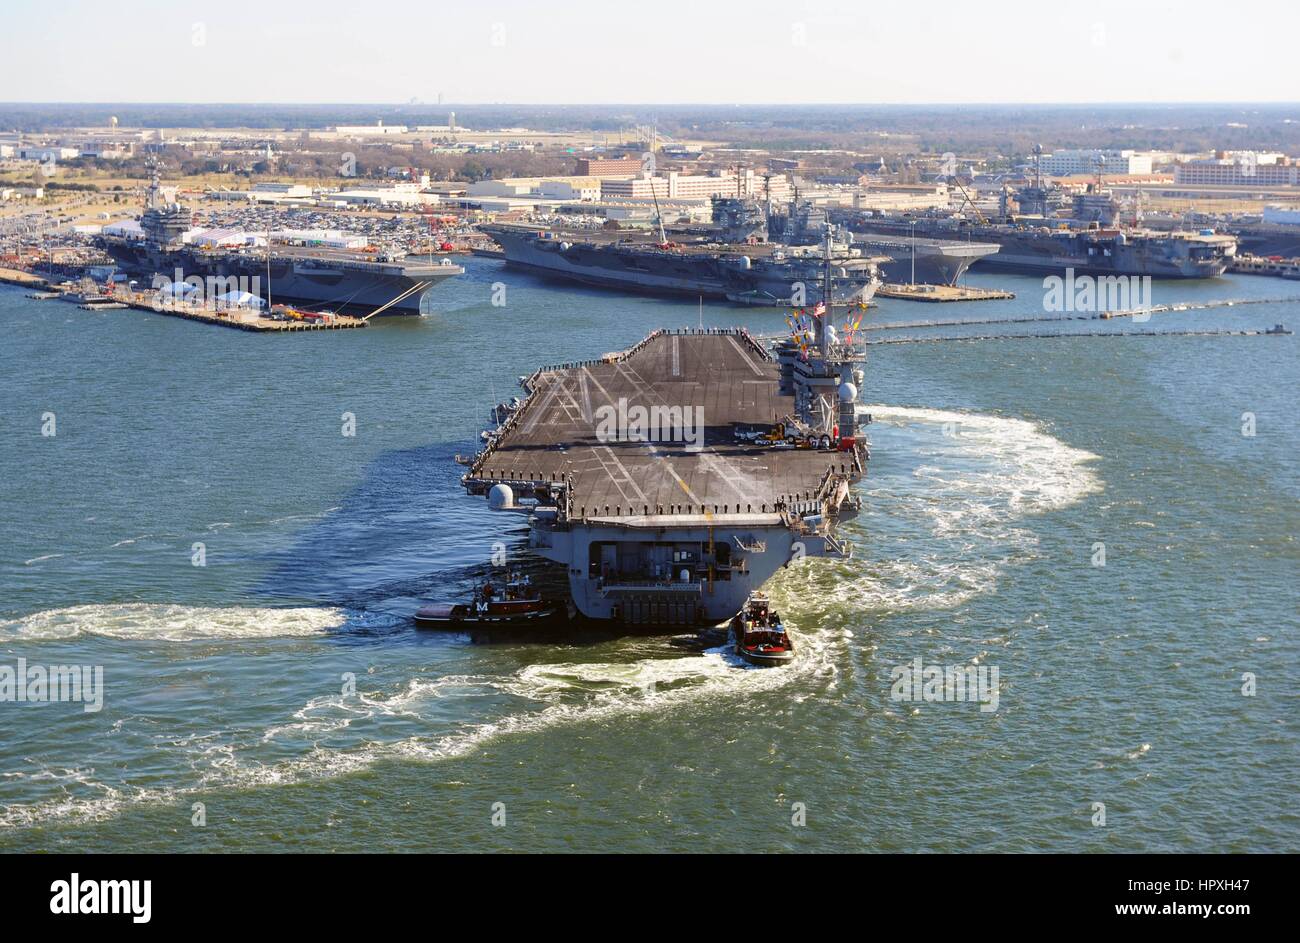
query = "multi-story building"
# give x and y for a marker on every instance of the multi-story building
(1066, 163)
(569, 188)
(1239, 169)
(678, 186)
(608, 166)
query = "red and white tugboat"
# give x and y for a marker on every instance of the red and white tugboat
(759, 634)
(515, 603)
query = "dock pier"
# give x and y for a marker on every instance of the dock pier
(238, 318)
(941, 293)
(22, 279)
(242, 319)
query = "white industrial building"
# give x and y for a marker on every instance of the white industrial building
(266, 193)
(225, 238)
(547, 188)
(47, 154)
(400, 194)
(21, 193)
(505, 187)
(105, 150)
(370, 130)
(281, 190)
(901, 197)
(570, 188)
(1068, 163)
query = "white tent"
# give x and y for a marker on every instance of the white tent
(179, 291)
(240, 299)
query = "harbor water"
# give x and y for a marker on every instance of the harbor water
(236, 528)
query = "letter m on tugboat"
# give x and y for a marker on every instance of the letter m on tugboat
(517, 601)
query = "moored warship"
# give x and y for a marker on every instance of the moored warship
(744, 274)
(338, 279)
(1037, 247)
(803, 223)
(1090, 241)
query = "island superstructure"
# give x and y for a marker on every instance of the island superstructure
(908, 260)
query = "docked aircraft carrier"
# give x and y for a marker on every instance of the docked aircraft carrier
(335, 279)
(667, 529)
(757, 274)
(905, 259)
(1090, 240)
(1042, 249)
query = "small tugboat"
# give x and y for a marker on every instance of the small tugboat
(760, 637)
(515, 603)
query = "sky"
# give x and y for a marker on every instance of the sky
(663, 52)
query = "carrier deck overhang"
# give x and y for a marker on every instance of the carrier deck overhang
(680, 525)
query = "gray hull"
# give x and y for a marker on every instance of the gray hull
(736, 278)
(339, 285)
(1040, 251)
(601, 267)
(1031, 256)
(670, 601)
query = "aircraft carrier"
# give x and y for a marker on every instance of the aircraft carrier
(1041, 248)
(905, 259)
(333, 279)
(658, 528)
(1090, 241)
(743, 274)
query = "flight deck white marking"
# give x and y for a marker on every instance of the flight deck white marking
(712, 462)
(744, 356)
(723, 468)
(572, 411)
(603, 392)
(540, 411)
(586, 394)
(614, 481)
(640, 385)
(626, 476)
